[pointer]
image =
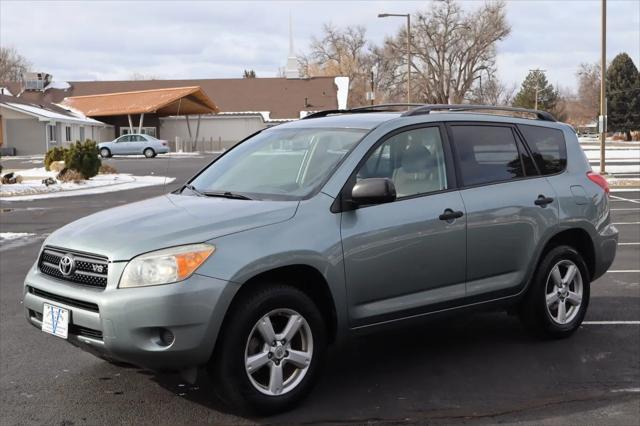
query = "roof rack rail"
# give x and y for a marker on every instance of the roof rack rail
(369, 108)
(426, 109)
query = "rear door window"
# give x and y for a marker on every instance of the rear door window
(486, 154)
(548, 147)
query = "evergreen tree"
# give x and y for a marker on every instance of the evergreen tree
(623, 95)
(536, 81)
(249, 74)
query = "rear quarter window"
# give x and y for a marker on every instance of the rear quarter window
(548, 147)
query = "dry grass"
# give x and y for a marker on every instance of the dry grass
(106, 169)
(68, 175)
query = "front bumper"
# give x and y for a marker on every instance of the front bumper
(127, 324)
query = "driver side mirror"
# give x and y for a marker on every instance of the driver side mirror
(373, 191)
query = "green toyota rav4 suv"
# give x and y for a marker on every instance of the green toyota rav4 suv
(307, 232)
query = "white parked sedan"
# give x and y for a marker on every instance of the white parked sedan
(134, 144)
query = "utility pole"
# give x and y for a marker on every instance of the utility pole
(408, 58)
(408, 16)
(372, 89)
(603, 88)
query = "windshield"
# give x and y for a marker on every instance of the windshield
(279, 164)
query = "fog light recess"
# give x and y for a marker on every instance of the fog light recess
(166, 337)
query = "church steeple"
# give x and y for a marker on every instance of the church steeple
(291, 70)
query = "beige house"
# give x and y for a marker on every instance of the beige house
(31, 129)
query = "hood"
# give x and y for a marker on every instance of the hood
(124, 232)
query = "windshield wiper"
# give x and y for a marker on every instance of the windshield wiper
(225, 194)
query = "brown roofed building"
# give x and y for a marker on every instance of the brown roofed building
(245, 105)
(283, 98)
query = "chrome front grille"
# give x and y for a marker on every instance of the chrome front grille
(88, 269)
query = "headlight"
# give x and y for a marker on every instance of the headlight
(165, 266)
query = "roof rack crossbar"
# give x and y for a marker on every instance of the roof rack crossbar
(368, 108)
(426, 109)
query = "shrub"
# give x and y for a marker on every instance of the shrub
(54, 154)
(83, 158)
(70, 175)
(106, 169)
(57, 166)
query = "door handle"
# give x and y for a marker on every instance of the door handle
(542, 201)
(450, 215)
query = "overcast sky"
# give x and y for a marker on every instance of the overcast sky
(109, 40)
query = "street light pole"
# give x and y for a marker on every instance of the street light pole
(408, 16)
(603, 99)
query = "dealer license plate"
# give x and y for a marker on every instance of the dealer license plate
(55, 320)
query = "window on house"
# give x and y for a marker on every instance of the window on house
(81, 134)
(145, 131)
(51, 132)
(67, 133)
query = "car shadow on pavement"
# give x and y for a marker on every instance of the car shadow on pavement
(479, 367)
(397, 364)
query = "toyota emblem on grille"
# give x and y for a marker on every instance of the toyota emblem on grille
(67, 265)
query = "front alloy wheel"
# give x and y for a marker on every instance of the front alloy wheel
(270, 350)
(276, 362)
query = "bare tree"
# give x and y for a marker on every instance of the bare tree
(12, 64)
(341, 52)
(140, 76)
(450, 49)
(589, 90)
(491, 91)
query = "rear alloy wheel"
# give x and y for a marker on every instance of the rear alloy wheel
(270, 350)
(149, 153)
(558, 296)
(564, 292)
(105, 153)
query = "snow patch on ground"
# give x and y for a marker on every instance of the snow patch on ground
(9, 236)
(618, 154)
(11, 240)
(32, 187)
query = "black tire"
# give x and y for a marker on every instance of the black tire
(149, 152)
(534, 312)
(227, 366)
(105, 153)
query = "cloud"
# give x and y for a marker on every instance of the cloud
(181, 39)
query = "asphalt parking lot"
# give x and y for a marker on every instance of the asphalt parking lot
(481, 368)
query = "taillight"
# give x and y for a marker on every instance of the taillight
(599, 180)
(164, 144)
